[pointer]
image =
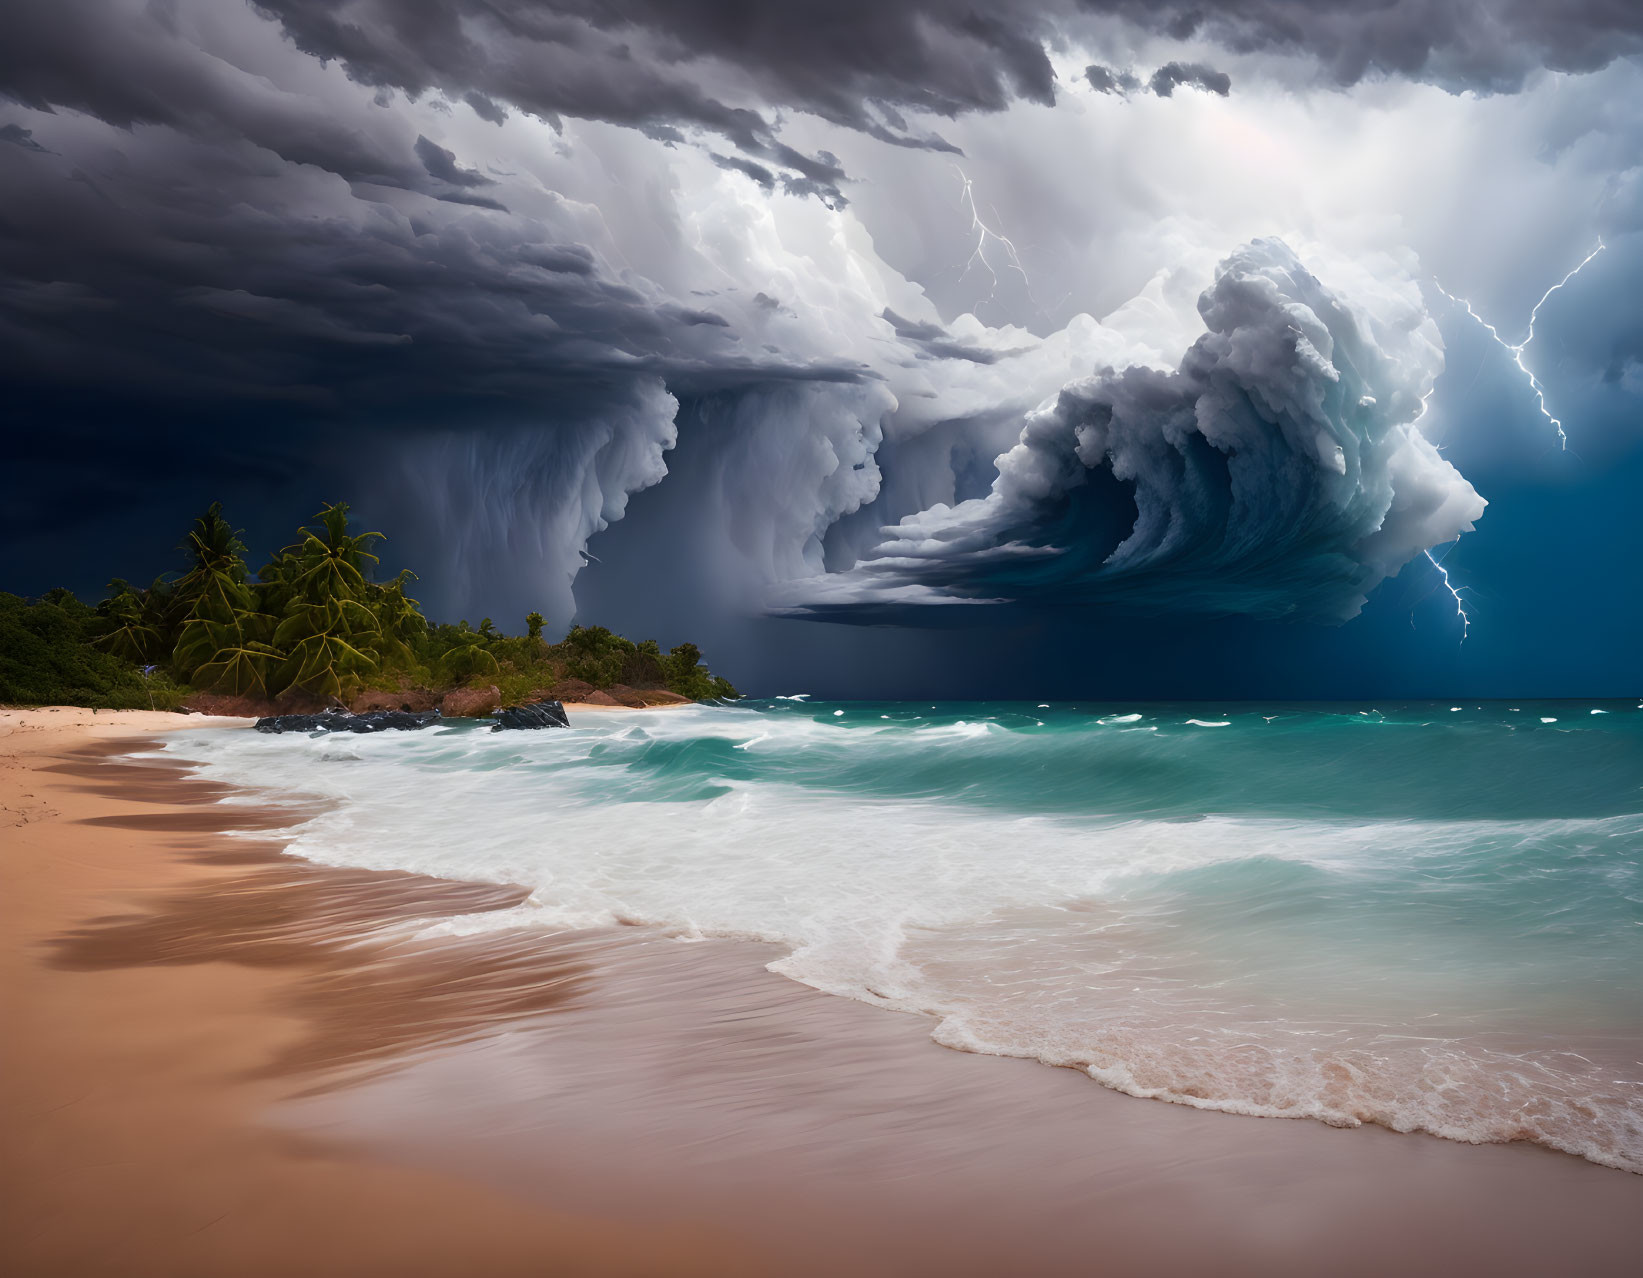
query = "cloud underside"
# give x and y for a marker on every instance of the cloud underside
(1278, 472)
(863, 63)
(670, 66)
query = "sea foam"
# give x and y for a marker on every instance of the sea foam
(1291, 917)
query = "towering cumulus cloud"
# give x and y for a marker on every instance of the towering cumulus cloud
(1279, 471)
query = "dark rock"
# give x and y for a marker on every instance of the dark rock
(536, 714)
(343, 721)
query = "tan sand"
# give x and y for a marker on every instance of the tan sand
(133, 1066)
(206, 1079)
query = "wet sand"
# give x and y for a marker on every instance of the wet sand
(221, 1060)
(162, 987)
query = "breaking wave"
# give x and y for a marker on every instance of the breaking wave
(1411, 916)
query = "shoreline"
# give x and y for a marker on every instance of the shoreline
(203, 1021)
(165, 988)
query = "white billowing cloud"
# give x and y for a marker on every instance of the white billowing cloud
(1280, 471)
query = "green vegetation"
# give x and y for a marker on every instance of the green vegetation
(312, 625)
(46, 659)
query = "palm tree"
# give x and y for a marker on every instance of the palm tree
(398, 617)
(224, 641)
(130, 624)
(331, 635)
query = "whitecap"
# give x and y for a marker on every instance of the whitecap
(1210, 723)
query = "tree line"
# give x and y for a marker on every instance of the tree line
(312, 621)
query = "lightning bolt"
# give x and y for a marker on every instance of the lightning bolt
(1443, 573)
(1454, 593)
(984, 234)
(1517, 351)
(1517, 354)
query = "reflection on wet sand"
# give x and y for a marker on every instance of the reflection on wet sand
(370, 993)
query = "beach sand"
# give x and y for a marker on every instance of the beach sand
(161, 988)
(217, 1059)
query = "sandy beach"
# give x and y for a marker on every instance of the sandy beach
(219, 1059)
(163, 988)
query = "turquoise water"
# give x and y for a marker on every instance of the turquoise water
(1426, 916)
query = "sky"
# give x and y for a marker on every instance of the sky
(1072, 348)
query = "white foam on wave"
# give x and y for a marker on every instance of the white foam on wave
(910, 903)
(1120, 718)
(1210, 723)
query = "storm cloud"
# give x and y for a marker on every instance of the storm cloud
(863, 64)
(489, 268)
(1278, 472)
(1193, 75)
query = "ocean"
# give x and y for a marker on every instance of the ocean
(1426, 916)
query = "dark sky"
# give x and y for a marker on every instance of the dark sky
(1070, 348)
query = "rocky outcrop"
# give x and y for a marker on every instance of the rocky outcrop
(471, 703)
(534, 714)
(597, 698)
(345, 721)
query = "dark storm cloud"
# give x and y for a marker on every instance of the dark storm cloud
(747, 168)
(616, 60)
(1106, 80)
(1489, 45)
(1459, 44)
(484, 108)
(665, 65)
(1163, 82)
(1192, 75)
(210, 272)
(442, 164)
(129, 69)
(861, 63)
(17, 135)
(481, 300)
